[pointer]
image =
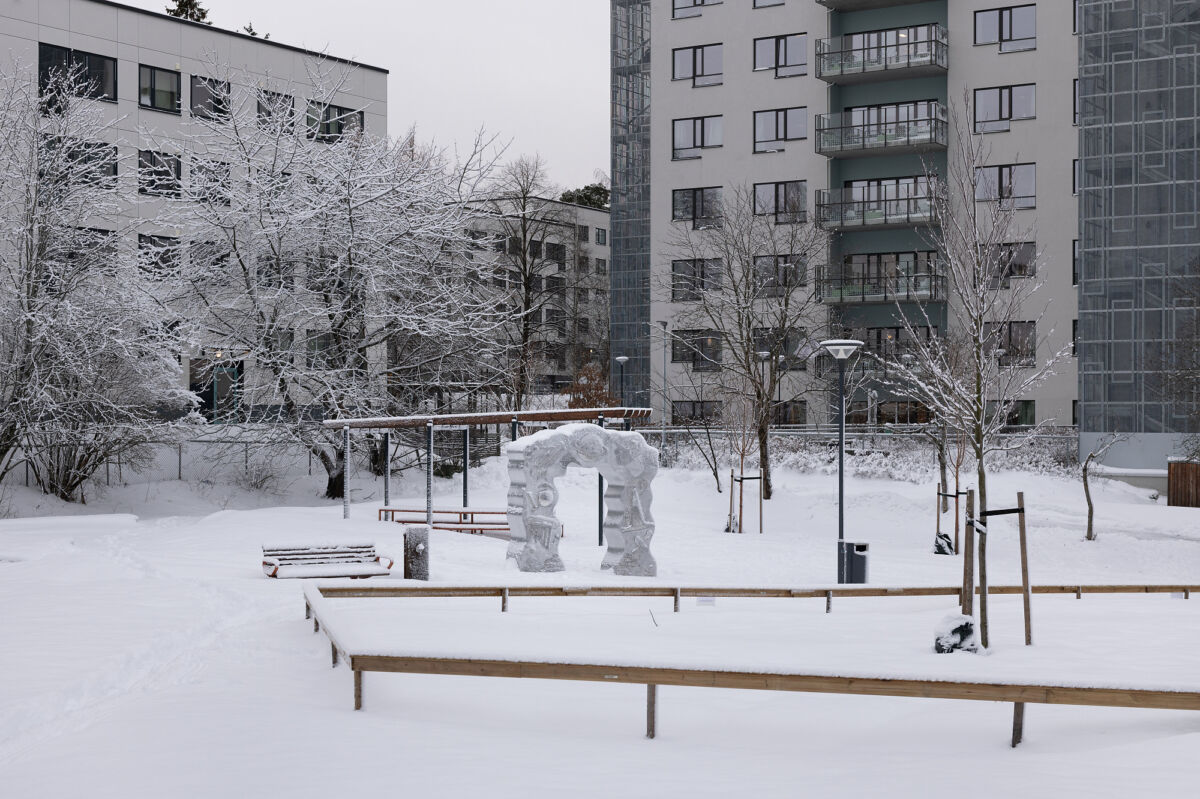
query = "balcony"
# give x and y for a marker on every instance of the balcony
(846, 289)
(863, 5)
(845, 136)
(844, 60)
(847, 209)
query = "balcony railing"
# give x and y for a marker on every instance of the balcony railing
(862, 5)
(837, 290)
(840, 135)
(840, 209)
(839, 61)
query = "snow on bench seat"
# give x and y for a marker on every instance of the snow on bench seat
(324, 560)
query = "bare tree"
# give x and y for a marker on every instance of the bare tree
(971, 375)
(87, 349)
(742, 281)
(329, 267)
(1096, 454)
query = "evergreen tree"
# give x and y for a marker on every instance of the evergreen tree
(190, 10)
(593, 195)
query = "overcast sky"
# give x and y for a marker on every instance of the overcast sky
(533, 71)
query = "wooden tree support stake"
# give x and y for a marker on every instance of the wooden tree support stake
(1018, 722)
(504, 601)
(1025, 590)
(651, 709)
(676, 600)
(829, 602)
(333, 650)
(357, 689)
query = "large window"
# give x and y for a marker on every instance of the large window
(703, 65)
(777, 275)
(159, 174)
(787, 55)
(97, 72)
(685, 411)
(209, 182)
(210, 98)
(774, 127)
(319, 348)
(701, 207)
(330, 122)
(1013, 185)
(690, 8)
(997, 106)
(691, 135)
(1013, 28)
(691, 277)
(158, 89)
(785, 200)
(602, 236)
(1016, 259)
(1014, 343)
(700, 348)
(786, 345)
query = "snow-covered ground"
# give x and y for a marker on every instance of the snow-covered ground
(148, 656)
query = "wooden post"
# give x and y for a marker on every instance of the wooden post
(333, 650)
(676, 600)
(828, 601)
(307, 611)
(937, 513)
(179, 463)
(316, 624)
(504, 600)
(1025, 591)
(651, 709)
(968, 588)
(1018, 722)
(357, 689)
(957, 516)
(729, 527)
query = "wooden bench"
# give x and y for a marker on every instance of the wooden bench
(324, 560)
(490, 522)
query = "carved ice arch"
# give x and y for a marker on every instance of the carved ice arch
(628, 465)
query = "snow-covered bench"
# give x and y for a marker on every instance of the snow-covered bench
(324, 560)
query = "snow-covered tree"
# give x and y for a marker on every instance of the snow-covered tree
(328, 267)
(88, 366)
(746, 308)
(973, 372)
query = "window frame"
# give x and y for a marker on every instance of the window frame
(688, 9)
(781, 118)
(699, 125)
(78, 59)
(1005, 94)
(321, 125)
(152, 90)
(691, 277)
(780, 50)
(700, 199)
(1004, 20)
(779, 196)
(1001, 195)
(218, 92)
(164, 160)
(699, 78)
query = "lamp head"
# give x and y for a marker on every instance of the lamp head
(763, 355)
(841, 348)
(622, 359)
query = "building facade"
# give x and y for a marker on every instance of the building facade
(154, 74)
(844, 108)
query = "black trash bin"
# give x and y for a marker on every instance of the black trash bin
(852, 562)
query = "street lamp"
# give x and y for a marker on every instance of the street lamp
(621, 361)
(841, 349)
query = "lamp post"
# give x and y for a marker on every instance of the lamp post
(621, 361)
(841, 350)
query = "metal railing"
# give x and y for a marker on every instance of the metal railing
(837, 59)
(846, 208)
(880, 288)
(839, 133)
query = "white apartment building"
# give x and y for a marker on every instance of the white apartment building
(154, 73)
(840, 106)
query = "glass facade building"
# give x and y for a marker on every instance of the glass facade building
(1139, 247)
(630, 268)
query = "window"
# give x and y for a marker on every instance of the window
(583, 263)
(583, 232)
(582, 326)
(691, 135)
(274, 108)
(209, 258)
(158, 89)
(555, 252)
(703, 65)
(158, 174)
(1074, 337)
(1013, 184)
(209, 183)
(276, 271)
(1013, 28)
(691, 277)
(1021, 414)
(767, 3)
(97, 73)
(786, 200)
(555, 284)
(1075, 262)
(535, 249)
(1013, 260)
(997, 106)
(783, 344)
(601, 266)
(581, 296)
(556, 320)
(1076, 176)
(66, 163)
(330, 122)
(1075, 101)
(699, 348)
(787, 55)
(601, 236)
(1015, 343)
(701, 207)
(684, 411)
(319, 346)
(789, 412)
(772, 128)
(210, 98)
(683, 9)
(158, 256)
(779, 274)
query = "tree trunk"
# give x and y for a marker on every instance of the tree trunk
(1087, 492)
(764, 458)
(335, 472)
(941, 454)
(981, 476)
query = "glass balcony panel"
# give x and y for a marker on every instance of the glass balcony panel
(896, 53)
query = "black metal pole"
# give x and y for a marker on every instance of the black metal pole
(429, 474)
(466, 464)
(600, 499)
(387, 467)
(841, 466)
(622, 385)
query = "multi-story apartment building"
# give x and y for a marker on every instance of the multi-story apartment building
(842, 109)
(154, 75)
(550, 265)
